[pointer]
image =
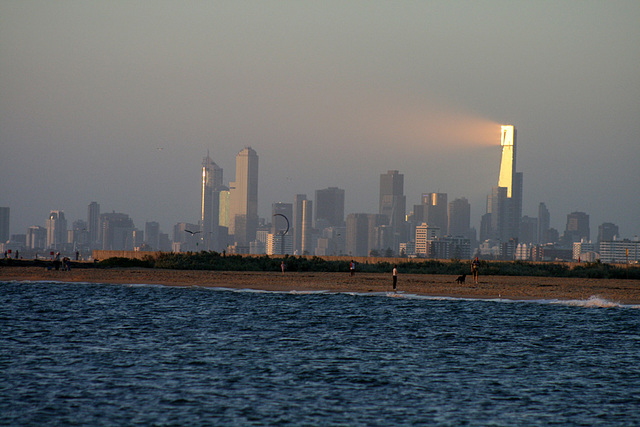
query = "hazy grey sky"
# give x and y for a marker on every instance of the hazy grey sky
(328, 93)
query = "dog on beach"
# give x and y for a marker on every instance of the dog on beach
(460, 279)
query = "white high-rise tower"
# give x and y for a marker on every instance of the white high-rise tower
(243, 215)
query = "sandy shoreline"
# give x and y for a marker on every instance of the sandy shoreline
(507, 287)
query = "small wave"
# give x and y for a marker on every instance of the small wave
(294, 292)
(144, 285)
(594, 301)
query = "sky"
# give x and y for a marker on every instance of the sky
(118, 102)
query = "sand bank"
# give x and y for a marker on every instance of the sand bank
(507, 287)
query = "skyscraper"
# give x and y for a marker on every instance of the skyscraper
(506, 206)
(280, 225)
(392, 199)
(607, 231)
(117, 231)
(152, 234)
(4, 224)
(243, 215)
(508, 161)
(307, 227)
(36, 237)
(460, 217)
(210, 203)
(357, 240)
(297, 222)
(93, 222)
(435, 211)
(577, 228)
(329, 208)
(56, 230)
(393, 205)
(544, 223)
(379, 234)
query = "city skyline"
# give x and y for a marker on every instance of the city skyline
(435, 205)
(102, 104)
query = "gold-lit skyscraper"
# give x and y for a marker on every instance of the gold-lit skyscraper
(243, 215)
(505, 202)
(508, 162)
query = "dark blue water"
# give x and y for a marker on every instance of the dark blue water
(122, 355)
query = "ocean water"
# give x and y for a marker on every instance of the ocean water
(103, 354)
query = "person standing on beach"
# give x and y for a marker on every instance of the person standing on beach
(352, 268)
(475, 265)
(395, 277)
(283, 267)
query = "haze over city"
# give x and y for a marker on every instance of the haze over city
(118, 102)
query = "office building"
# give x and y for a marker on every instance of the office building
(393, 205)
(544, 223)
(357, 241)
(56, 230)
(78, 235)
(36, 237)
(279, 244)
(620, 251)
(93, 224)
(449, 248)
(225, 207)
(584, 251)
(117, 231)
(435, 211)
(210, 203)
(607, 231)
(425, 233)
(184, 238)
(5, 214)
(331, 242)
(152, 235)
(505, 202)
(243, 212)
(297, 222)
(577, 229)
(329, 208)
(459, 217)
(380, 235)
(528, 229)
(281, 216)
(307, 228)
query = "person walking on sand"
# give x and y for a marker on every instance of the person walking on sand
(475, 265)
(395, 277)
(283, 267)
(352, 268)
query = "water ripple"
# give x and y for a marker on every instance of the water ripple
(114, 354)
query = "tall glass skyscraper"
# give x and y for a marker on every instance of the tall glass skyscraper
(93, 222)
(393, 204)
(243, 215)
(508, 162)
(505, 202)
(56, 230)
(210, 203)
(329, 208)
(298, 220)
(4, 224)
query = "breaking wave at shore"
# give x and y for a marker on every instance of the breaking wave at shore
(592, 302)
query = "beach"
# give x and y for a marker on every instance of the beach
(489, 287)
